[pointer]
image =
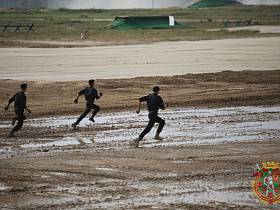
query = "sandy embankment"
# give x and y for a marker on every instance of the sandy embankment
(158, 59)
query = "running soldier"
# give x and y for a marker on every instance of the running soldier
(19, 100)
(90, 95)
(154, 102)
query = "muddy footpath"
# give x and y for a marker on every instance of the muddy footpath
(218, 127)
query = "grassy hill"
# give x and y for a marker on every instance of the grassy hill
(214, 3)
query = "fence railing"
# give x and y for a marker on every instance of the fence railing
(237, 22)
(17, 27)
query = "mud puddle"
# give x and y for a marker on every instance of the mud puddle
(183, 126)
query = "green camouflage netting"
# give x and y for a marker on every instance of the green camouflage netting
(145, 22)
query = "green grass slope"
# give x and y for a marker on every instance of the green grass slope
(213, 3)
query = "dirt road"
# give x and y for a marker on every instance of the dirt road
(128, 61)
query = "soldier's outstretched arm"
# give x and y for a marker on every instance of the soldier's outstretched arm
(29, 111)
(139, 106)
(98, 96)
(165, 106)
(77, 98)
(7, 107)
(9, 102)
(80, 93)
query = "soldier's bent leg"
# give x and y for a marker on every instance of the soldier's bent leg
(14, 119)
(18, 126)
(83, 115)
(20, 119)
(161, 124)
(18, 113)
(152, 121)
(96, 109)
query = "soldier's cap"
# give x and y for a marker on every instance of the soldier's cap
(22, 86)
(156, 88)
(91, 81)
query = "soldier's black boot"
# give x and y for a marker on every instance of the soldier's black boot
(92, 119)
(157, 137)
(135, 142)
(74, 125)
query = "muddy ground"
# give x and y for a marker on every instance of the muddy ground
(227, 88)
(218, 126)
(205, 161)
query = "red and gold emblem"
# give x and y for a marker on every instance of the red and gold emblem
(266, 183)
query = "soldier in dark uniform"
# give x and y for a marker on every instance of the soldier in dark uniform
(154, 102)
(19, 100)
(90, 95)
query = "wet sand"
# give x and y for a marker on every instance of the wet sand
(205, 161)
(129, 61)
